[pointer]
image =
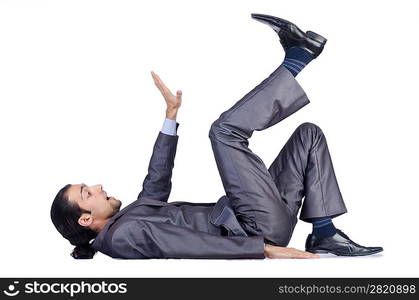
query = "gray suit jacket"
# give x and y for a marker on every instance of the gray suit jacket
(150, 227)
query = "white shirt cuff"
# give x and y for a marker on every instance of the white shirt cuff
(169, 127)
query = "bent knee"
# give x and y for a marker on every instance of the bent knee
(310, 130)
(222, 130)
(309, 126)
(215, 129)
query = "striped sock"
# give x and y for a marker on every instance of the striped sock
(296, 59)
(323, 227)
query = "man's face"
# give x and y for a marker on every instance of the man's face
(93, 199)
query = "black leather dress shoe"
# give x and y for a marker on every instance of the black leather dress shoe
(292, 36)
(338, 244)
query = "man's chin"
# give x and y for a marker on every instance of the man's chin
(118, 204)
(115, 208)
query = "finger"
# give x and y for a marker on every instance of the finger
(158, 79)
(179, 94)
(154, 75)
(155, 79)
(304, 254)
(163, 87)
(311, 255)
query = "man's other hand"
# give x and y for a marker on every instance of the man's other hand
(286, 252)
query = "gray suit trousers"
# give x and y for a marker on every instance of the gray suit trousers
(266, 201)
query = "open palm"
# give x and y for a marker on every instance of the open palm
(173, 102)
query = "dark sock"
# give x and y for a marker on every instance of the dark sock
(323, 227)
(296, 59)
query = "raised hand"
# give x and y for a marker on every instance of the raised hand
(173, 102)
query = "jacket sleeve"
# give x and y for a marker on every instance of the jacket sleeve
(157, 184)
(145, 239)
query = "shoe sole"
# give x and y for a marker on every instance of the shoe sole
(318, 251)
(267, 19)
(277, 24)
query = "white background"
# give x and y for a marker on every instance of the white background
(78, 104)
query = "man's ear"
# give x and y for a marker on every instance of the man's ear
(85, 220)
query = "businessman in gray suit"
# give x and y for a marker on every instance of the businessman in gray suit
(257, 216)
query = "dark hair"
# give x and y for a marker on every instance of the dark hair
(65, 215)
